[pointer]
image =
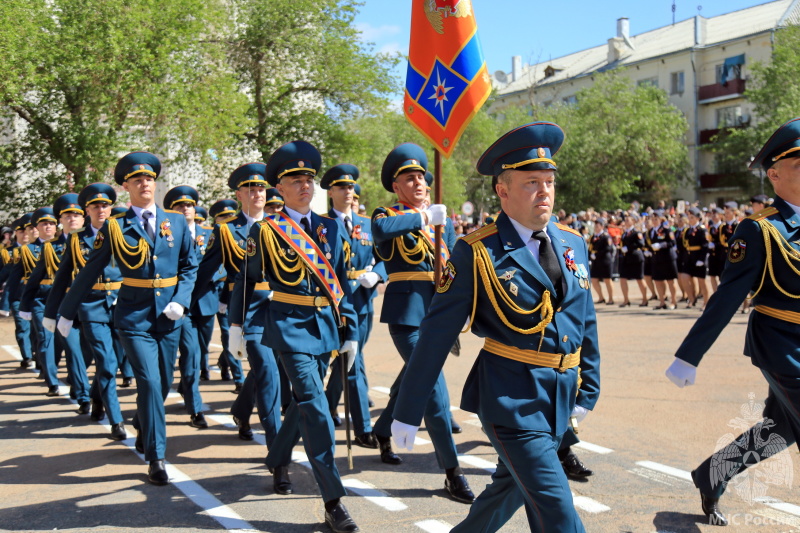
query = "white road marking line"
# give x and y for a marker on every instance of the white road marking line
(212, 345)
(780, 506)
(776, 516)
(476, 423)
(478, 462)
(589, 505)
(419, 441)
(14, 351)
(434, 526)
(454, 408)
(664, 469)
(588, 446)
(376, 496)
(382, 390)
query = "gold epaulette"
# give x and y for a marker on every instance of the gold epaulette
(567, 228)
(475, 236)
(227, 220)
(764, 213)
(119, 215)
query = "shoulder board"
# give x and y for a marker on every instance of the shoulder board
(120, 215)
(207, 227)
(764, 213)
(475, 236)
(567, 228)
(326, 216)
(172, 211)
(229, 219)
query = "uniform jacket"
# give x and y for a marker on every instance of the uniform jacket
(35, 292)
(141, 309)
(501, 390)
(695, 237)
(631, 246)
(207, 302)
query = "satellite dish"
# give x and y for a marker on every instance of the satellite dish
(501, 76)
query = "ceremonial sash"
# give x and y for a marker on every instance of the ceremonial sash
(428, 232)
(309, 252)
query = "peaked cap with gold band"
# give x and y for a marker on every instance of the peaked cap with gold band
(200, 213)
(135, 164)
(43, 214)
(21, 222)
(405, 157)
(291, 159)
(248, 175)
(339, 175)
(274, 197)
(223, 207)
(429, 179)
(97, 193)
(181, 194)
(67, 203)
(356, 191)
(528, 147)
(784, 143)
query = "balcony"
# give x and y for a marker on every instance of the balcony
(707, 135)
(708, 94)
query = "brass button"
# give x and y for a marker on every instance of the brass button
(108, 280)
(158, 293)
(558, 310)
(158, 275)
(155, 257)
(317, 289)
(565, 339)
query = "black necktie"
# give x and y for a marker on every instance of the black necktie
(306, 226)
(548, 260)
(147, 227)
(348, 224)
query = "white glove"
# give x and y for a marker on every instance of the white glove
(114, 302)
(624, 249)
(236, 342)
(49, 324)
(173, 311)
(656, 246)
(711, 245)
(269, 295)
(437, 213)
(25, 315)
(681, 373)
(699, 264)
(222, 309)
(579, 413)
(351, 349)
(64, 326)
(593, 256)
(404, 434)
(648, 253)
(368, 279)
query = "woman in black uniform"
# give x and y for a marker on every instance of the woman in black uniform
(631, 262)
(601, 253)
(665, 270)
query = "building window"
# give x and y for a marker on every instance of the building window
(729, 117)
(570, 100)
(676, 83)
(652, 82)
(731, 69)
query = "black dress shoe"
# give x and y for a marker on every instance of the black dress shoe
(339, 520)
(83, 408)
(237, 388)
(139, 444)
(126, 382)
(454, 427)
(26, 363)
(337, 420)
(225, 374)
(387, 455)
(367, 440)
(98, 411)
(710, 507)
(157, 473)
(204, 375)
(370, 402)
(198, 420)
(459, 489)
(118, 432)
(574, 468)
(52, 391)
(245, 433)
(281, 483)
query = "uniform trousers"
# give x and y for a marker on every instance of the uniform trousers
(204, 325)
(356, 383)
(22, 332)
(226, 358)
(122, 359)
(308, 415)
(437, 409)
(76, 363)
(41, 344)
(152, 357)
(261, 388)
(189, 365)
(97, 336)
(528, 473)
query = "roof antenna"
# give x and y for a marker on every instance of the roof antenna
(673, 12)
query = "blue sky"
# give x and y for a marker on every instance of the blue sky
(536, 30)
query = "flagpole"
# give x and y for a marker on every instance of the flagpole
(437, 192)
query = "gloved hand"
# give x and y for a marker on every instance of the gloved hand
(349, 349)
(699, 264)
(64, 326)
(437, 213)
(403, 434)
(269, 295)
(173, 311)
(579, 413)
(49, 324)
(648, 253)
(25, 315)
(368, 279)
(681, 373)
(624, 249)
(236, 342)
(656, 246)
(593, 256)
(711, 246)
(222, 309)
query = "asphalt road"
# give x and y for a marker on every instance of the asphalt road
(59, 471)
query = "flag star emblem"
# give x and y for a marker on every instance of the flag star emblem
(440, 91)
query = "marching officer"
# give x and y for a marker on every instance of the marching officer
(363, 275)
(201, 218)
(695, 242)
(96, 310)
(310, 316)
(11, 275)
(601, 253)
(661, 240)
(631, 263)
(404, 241)
(763, 258)
(716, 256)
(156, 257)
(539, 366)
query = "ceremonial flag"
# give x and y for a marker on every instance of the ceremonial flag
(447, 80)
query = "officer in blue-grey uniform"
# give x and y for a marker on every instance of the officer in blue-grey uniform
(5, 259)
(539, 367)
(763, 257)
(96, 310)
(309, 317)
(156, 256)
(363, 275)
(204, 335)
(122, 360)
(404, 241)
(183, 199)
(22, 327)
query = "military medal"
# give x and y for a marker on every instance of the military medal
(322, 235)
(569, 259)
(357, 232)
(166, 230)
(507, 275)
(98, 240)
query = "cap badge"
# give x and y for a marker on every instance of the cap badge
(541, 152)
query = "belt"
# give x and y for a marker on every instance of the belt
(110, 286)
(560, 362)
(694, 248)
(353, 274)
(150, 283)
(788, 316)
(260, 286)
(411, 276)
(46, 282)
(297, 299)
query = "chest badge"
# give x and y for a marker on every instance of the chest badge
(507, 275)
(513, 289)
